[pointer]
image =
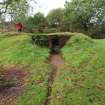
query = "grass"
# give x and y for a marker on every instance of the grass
(18, 50)
(82, 80)
(56, 34)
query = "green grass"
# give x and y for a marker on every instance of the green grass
(18, 50)
(56, 34)
(82, 80)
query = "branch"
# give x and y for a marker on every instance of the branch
(3, 3)
(2, 12)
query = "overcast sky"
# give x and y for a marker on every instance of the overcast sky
(45, 6)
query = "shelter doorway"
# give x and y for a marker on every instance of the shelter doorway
(55, 42)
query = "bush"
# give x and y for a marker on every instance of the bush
(41, 40)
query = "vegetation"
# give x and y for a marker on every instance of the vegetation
(82, 79)
(6, 5)
(18, 50)
(15, 10)
(55, 18)
(38, 20)
(86, 14)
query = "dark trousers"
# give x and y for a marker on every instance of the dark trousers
(19, 30)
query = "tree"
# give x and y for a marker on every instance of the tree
(85, 13)
(55, 18)
(39, 19)
(15, 7)
(36, 22)
(4, 4)
(29, 24)
(18, 10)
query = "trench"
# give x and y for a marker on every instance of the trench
(56, 61)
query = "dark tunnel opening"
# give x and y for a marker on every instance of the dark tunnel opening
(55, 49)
(53, 42)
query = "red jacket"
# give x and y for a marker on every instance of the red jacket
(19, 26)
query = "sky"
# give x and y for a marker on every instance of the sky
(45, 6)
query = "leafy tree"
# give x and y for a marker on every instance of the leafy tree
(15, 8)
(4, 4)
(29, 24)
(85, 13)
(55, 17)
(18, 10)
(39, 19)
(37, 22)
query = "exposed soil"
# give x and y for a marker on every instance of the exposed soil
(56, 61)
(12, 82)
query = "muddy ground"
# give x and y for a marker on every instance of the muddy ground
(12, 82)
(56, 61)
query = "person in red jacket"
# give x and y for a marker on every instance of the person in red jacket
(19, 27)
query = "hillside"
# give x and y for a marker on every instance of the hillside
(81, 81)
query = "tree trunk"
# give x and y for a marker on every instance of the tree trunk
(86, 28)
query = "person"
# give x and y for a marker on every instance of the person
(19, 27)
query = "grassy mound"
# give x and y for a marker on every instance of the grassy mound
(79, 46)
(82, 80)
(79, 38)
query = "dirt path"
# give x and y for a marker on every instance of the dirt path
(56, 61)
